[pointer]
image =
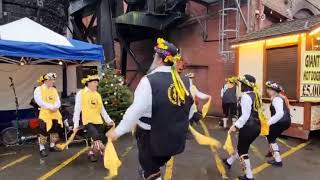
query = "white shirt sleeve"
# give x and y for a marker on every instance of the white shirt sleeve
(40, 102)
(198, 93)
(201, 95)
(193, 108)
(57, 105)
(141, 106)
(77, 110)
(105, 115)
(246, 105)
(277, 103)
(221, 92)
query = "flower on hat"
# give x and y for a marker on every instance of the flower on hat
(90, 78)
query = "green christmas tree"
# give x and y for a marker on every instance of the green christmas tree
(116, 96)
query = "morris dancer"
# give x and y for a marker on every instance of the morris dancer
(248, 125)
(47, 98)
(197, 95)
(89, 103)
(161, 107)
(280, 120)
(229, 101)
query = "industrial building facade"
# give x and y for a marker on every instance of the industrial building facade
(203, 46)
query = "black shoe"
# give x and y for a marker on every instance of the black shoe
(43, 153)
(228, 166)
(275, 163)
(92, 158)
(54, 149)
(244, 177)
(269, 154)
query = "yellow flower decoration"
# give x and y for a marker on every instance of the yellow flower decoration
(90, 78)
(173, 58)
(233, 79)
(40, 80)
(162, 44)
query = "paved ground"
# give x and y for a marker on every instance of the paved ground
(301, 161)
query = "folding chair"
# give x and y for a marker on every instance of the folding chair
(68, 128)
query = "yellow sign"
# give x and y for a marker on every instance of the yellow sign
(310, 77)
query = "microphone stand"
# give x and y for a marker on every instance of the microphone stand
(17, 105)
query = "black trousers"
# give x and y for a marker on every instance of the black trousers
(56, 128)
(150, 164)
(277, 129)
(247, 134)
(229, 109)
(96, 132)
(195, 118)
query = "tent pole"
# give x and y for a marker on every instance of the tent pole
(64, 81)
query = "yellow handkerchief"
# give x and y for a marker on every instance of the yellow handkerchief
(264, 124)
(204, 140)
(205, 108)
(228, 145)
(111, 159)
(62, 146)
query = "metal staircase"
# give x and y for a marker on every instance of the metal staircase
(229, 27)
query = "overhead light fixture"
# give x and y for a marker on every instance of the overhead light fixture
(282, 40)
(271, 12)
(247, 44)
(60, 63)
(315, 31)
(280, 20)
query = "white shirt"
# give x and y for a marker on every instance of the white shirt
(77, 110)
(277, 103)
(141, 106)
(198, 94)
(246, 105)
(41, 103)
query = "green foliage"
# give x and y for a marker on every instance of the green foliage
(116, 96)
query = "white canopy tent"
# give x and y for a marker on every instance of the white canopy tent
(26, 48)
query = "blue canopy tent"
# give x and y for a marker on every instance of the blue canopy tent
(25, 42)
(79, 51)
(26, 38)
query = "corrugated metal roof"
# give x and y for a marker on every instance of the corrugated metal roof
(288, 27)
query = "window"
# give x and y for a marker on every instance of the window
(282, 68)
(84, 71)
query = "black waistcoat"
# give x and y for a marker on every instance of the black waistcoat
(286, 116)
(254, 116)
(170, 118)
(229, 96)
